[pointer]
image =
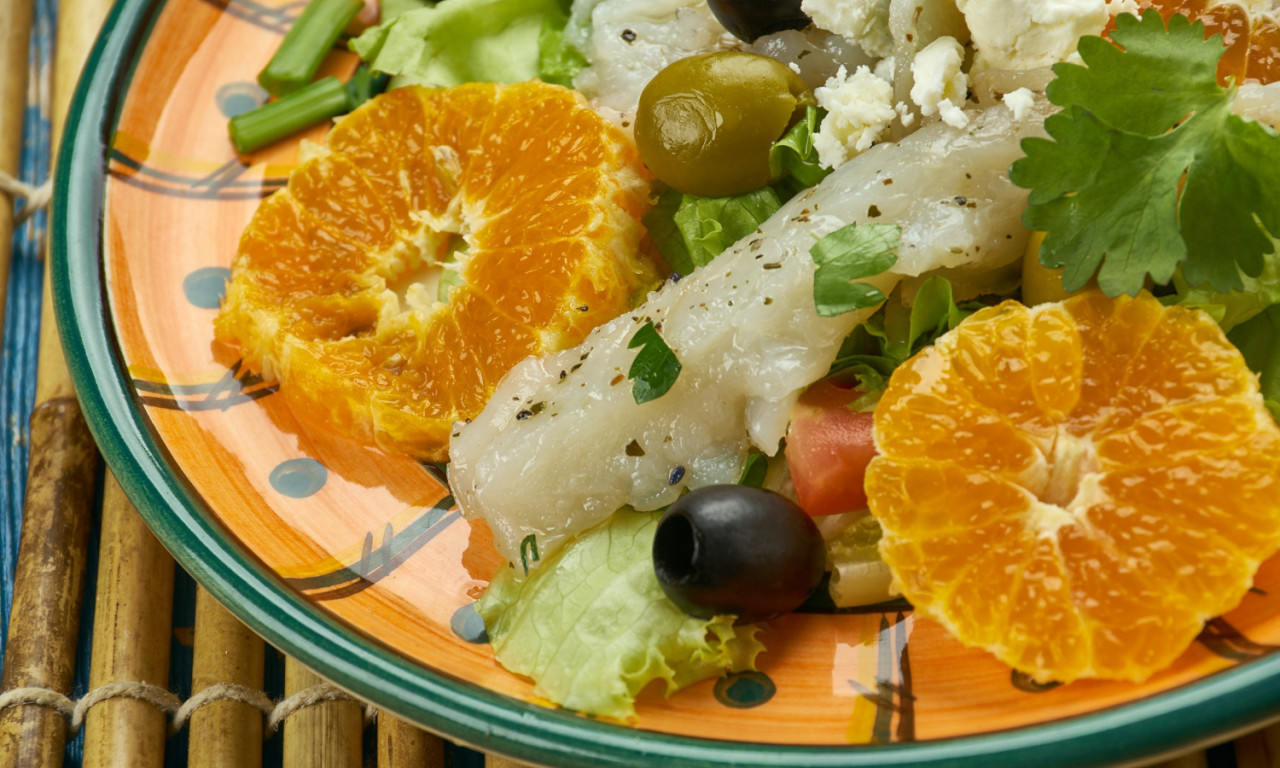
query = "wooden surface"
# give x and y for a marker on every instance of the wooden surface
(327, 735)
(133, 616)
(40, 649)
(401, 745)
(228, 733)
(15, 34)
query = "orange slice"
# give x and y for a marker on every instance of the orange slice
(1249, 28)
(1076, 487)
(522, 193)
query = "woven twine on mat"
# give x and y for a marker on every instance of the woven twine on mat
(275, 712)
(36, 197)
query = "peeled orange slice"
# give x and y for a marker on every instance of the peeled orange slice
(1076, 487)
(521, 197)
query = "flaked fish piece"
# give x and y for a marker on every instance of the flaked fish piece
(562, 443)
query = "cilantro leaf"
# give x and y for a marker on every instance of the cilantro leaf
(844, 257)
(691, 231)
(655, 367)
(1133, 89)
(1148, 171)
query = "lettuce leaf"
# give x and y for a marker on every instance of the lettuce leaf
(897, 332)
(1231, 308)
(1258, 339)
(592, 627)
(458, 41)
(558, 61)
(794, 153)
(691, 231)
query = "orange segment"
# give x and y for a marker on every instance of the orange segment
(333, 290)
(1079, 486)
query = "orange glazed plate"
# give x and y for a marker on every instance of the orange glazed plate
(358, 563)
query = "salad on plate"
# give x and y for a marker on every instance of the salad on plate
(724, 309)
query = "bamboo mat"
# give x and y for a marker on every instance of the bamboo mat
(98, 625)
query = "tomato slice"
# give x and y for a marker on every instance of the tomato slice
(828, 448)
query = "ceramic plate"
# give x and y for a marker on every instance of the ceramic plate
(357, 562)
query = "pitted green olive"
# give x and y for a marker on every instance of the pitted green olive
(705, 123)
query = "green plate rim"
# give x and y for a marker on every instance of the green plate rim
(1227, 703)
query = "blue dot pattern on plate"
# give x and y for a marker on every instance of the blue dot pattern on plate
(205, 287)
(744, 690)
(239, 97)
(298, 478)
(468, 625)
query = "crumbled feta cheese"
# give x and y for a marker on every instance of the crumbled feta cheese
(940, 87)
(1117, 7)
(886, 68)
(905, 115)
(952, 114)
(1019, 102)
(865, 22)
(1025, 34)
(859, 109)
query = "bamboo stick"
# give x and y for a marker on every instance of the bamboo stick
(1197, 759)
(494, 761)
(326, 735)
(130, 638)
(15, 38)
(224, 734)
(401, 745)
(49, 576)
(1260, 749)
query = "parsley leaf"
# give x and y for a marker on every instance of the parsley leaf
(655, 368)
(844, 257)
(1147, 170)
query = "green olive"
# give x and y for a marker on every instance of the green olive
(705, 123)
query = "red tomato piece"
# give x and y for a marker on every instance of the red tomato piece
(828, 448)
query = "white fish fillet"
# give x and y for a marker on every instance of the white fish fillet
(562, 444)
(629, 41)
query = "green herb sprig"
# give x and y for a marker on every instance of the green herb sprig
(1147, 170)
(655, 368)
(846, 256)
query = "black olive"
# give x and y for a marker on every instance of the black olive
(749, 19)
(733, 549)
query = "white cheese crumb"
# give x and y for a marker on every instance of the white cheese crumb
(886, 68)
(952, 115)
(1025, 34)
(865, 22)
(905, 115)
(940, 86)
(1019, 102)
(1117, 7)
(859, 109)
